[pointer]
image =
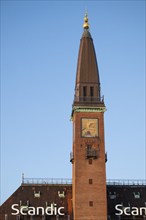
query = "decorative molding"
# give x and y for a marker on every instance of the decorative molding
(89, 109)
(86, 109)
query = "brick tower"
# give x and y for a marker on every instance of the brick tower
(88, 157)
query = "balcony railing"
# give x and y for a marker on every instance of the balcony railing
(112, 182)
(106, 157)
(71, 157)
(88, 99)
(50, 181)
(126, 182)
(92, 153)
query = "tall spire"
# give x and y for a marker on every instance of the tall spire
(87, 88)
(88, 136)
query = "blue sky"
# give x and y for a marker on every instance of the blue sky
(39, 49)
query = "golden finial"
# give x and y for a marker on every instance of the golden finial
(86, 24)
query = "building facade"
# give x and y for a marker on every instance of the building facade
(46, 194)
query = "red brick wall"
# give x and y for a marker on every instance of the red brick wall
(83, 192)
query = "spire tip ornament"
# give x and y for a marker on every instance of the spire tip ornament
(86, 24)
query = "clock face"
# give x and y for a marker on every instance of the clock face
(89, 127)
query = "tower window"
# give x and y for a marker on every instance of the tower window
(90, 203)
(91, 91)
(84, 90)
(90, 181)
(90, 161)
(89, 146)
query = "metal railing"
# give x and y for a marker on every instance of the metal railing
(50, 181)
(88, 99)
(61, 181)
(71, 157)
(131, 182)
(92, 153)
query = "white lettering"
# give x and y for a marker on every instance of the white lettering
(117, 207)
(59, 211)
(49, 210)
(21, 211)
(127, 209)
(17, 210)
(31, 211)
(135, 211)
(41, 209)
(55, 209)
(141, 211)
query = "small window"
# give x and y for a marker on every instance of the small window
(89, 146)
(37, 194)
(91, 91)
(84, 90)
(112, 195)
(90, 203)
(90, 181)
(61, 194)
(90, 161)
(136, 195)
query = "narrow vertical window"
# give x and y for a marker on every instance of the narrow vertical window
(90, 181)
(90, 203)
(91, 91)
(84, 91)
(89, 146)
(90, 161)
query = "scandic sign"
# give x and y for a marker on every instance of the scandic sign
(25, 210)
(54, 210)
(134, 211)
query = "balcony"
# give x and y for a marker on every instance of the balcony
(92, 153)
(89, 99)
(71, 157)
(106, 157)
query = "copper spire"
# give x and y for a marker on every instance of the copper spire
(87, 88)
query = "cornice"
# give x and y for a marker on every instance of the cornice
(87, 109)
